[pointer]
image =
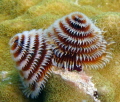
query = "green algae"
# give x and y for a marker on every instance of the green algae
(35, 14)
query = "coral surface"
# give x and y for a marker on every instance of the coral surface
(20, 15)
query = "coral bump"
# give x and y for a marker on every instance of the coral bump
(33, 60)
(77, 43)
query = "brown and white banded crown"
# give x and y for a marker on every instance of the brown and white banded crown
(33, 60)
(77, 43)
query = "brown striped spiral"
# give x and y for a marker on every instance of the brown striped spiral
(33, 60)
(77, 43)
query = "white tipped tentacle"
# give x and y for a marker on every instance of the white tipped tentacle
(33, 60)
(77, 42)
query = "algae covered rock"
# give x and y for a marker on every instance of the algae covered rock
(21, 15)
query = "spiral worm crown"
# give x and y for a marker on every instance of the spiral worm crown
(77, 43)
(33, 59)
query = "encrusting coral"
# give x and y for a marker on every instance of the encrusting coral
(41, 14)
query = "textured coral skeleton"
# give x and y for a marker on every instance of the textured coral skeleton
(81, 80)
(72, 43)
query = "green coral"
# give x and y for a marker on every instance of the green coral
(20, 15)
(110, 22)
(13, 8)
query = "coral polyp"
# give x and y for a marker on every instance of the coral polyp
(78, 43)
(33, 60)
